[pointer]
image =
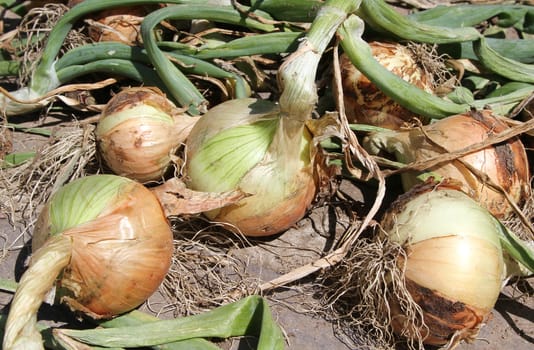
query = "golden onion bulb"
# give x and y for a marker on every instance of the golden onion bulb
(454, 262)
(106, 245)
(365, 103)
(119, 24)
(247, 144)
(138, 133)
(505, 163)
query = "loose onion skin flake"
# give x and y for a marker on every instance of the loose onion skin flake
(504, 164)
(453, 265)
(103, 242)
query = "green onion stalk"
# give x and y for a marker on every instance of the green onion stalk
(264, 148)
(183, 333)
(405, 94)
(134, 63)
(499, 64)
(189, 98)
(249, 316)
(102, 243)
(45, 78)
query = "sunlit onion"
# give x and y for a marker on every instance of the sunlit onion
(365, 103)
(103, 242)
(454, 263)
(121, 24)
(247, 144)
(138, 133)
(505, 163)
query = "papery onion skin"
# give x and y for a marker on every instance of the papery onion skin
(278, 175)
(505, 164)
(120, 257)
(365, 103)
(139, 131)
(454, 262)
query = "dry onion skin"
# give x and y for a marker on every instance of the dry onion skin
(365, 103)
(103, 242)
(505, 164)
(454, 264)
(139, 131)
(247, 144)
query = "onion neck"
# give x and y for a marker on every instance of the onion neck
(297, 74)
(47, 263)
(288, 145)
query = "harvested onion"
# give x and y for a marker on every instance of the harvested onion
(121, 24)
(105, 244)
(247, 144)
(139, 131)
(454, 263)
(505, 164)
(265, 149)
(365, 103)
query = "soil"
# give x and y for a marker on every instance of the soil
(294, 306)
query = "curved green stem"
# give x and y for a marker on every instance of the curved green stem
(404, 93)
(297, 74)
(121, 67)
(128, 61)
(100, 51)
(267, 43)
(179, 86)
(45, 73)
(501, 65)
(382, 17)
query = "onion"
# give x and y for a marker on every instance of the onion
(105, 244)
(454, 262)
(247, 144)
(121, 24)
(365, 103)
(505, 164)
(265, 149)
(139, 131)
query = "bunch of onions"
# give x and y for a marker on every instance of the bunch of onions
(139, 132)
(453, 262)
(504, 164)
(365, 103)
(103, 242)
(247, 144)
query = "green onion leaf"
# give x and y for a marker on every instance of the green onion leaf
(248, 316)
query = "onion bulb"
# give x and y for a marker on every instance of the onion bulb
(505, 164)
(121, 24)
(365, 103)
(453, 263)
(247, 144)
(139, 131)
(103, 242)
